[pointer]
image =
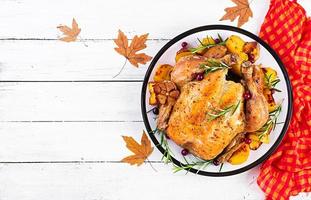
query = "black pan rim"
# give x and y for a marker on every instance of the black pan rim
(238, 30)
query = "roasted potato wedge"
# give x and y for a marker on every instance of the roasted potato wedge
(205, 41)
(163, 72)
(269, 97)
(252, 49)
(240, 156)
(208, 40)
(254, 145)
(256, 141)
(265, 139)
(152, 97)
(236, 68)
(270, 76)
(218, 51)
(235, 44)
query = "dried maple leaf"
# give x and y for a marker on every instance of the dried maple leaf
(130, 51)
(141, 151)
(70, 34)
(241, 10)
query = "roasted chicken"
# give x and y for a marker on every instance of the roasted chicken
(210, 117)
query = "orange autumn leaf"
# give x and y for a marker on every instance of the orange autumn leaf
(70, 34)
(130, 51)
(241, 10)
(141, 151)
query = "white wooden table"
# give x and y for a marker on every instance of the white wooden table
(62, 115)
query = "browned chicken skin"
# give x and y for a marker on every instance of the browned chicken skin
(186, 68)
(190, 125)
(256, 109)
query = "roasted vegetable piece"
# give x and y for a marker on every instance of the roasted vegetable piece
(205, 41)
(236, 68)
(271, 77)
(254, 145)
(152, 97)
(166, 91)
(240, 156)
(218, 51)
(265, 138)
(257, 140)
(252, 49)
(269, 97)
(235, 44)
(208, 40)
(163, 72)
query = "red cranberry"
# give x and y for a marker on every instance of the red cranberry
(199, 77)
(184, 44)
(184, 152)
(247, 140)
(247, 95)
(216, 162)
(155, 110)
(251, 58)
(217, 40)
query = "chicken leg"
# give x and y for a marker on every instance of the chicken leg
(256, 109)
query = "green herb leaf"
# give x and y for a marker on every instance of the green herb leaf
(221, 112)
(271, 123)
(271, 84)
(167, 156)
(206, 46)
(213, 65)
(198, 165)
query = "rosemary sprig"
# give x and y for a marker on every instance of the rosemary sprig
(198, 165)
(222, 112)
(271, 123)
(206, 46)
(212, 65)
(271, 83)
(222, 164)
(167, 156)
(220, 38)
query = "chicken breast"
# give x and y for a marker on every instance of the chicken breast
(190, 124)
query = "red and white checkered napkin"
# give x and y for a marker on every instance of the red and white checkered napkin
(287, 30)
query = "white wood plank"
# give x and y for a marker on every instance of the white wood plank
(55, 60)
(70, 101)
(102, 19)
(119, 181)
(70, 141)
